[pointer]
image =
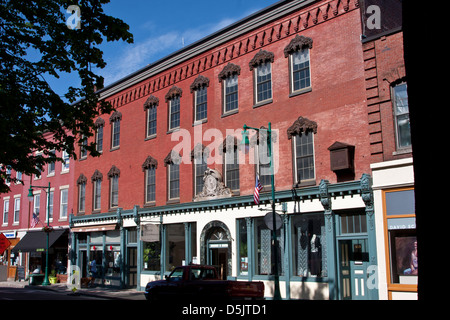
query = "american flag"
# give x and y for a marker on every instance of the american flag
(34, 220)
(258, 188)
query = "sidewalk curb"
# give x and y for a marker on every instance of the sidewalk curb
(81, 292)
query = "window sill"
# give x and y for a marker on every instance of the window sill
(114, 149)
(305, 183)
(173, 201)
(229, 113)
(402, 151)
(300, 92)
(151, 137)
(173, 130)
(150, 204)
(262, 103)
(199, 122)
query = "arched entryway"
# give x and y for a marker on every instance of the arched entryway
(215, 248)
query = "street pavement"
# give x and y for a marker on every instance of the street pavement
(99, 292)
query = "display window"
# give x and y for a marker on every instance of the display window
(401, 239)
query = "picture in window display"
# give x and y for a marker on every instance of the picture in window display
(406, 256)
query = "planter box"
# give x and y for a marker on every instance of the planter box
(62, 278)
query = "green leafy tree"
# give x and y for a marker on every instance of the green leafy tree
(38, 41)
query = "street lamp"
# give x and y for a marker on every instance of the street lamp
(245, 141)
(30, 198)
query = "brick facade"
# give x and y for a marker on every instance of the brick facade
(336, 103)
(384, 67)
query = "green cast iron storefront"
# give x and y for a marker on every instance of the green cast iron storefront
(330, 249)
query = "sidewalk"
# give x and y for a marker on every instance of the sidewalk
(102, 292)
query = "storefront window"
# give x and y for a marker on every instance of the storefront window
(96, 254)
(264, 250)
(113, 261)
(401, 225)
(151, 240)
(309, 241)
(175, 246)
(404, 258)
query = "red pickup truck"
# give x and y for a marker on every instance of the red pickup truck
(200, 282)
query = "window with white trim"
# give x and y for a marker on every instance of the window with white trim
(16, 210)
(5, 211)
(63, 206)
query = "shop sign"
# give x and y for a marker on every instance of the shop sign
(401, 223)
(10, 235)
(150, 233)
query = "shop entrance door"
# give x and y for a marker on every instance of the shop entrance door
(353, 263)
(131, 274)
(84, 264)
(218, 257)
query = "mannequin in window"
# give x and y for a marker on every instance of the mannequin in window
(315, 260)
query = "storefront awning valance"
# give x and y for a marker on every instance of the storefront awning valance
(37, 241)
(101, 227)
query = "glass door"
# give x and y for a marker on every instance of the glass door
(132, 267)
(353, 263)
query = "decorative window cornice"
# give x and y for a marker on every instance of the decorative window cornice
(150, 102)
(301, 125)
(261, 57)
(149, 162)
(173, 92)
(229, 141)
(117, 115)
(99, 123)
(229, 70)
(172, 158)
(81, 179)
(200, 151)
(114, 171)
(296, 44)
(97, 176)
(199, 82)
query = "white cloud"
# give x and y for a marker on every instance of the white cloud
(153, 48)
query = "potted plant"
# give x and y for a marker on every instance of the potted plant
(52, 277)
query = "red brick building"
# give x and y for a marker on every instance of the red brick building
(28, 241)
(391, 154)
(298, 65)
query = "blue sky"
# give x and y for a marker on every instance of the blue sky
(160, 28)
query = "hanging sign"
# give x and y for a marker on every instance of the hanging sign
(268, 219)
(4, 243)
